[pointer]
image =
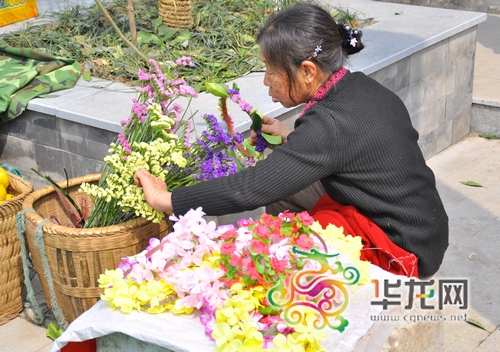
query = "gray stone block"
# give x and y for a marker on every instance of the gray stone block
(427, 61)
(84, 140)
(458, 102)
(461, 126)
(17, 152)
(465, 71)
(461, 45)
(430, 117)
(435, 141)
(35, 127)
(485, 119)
(395, 76)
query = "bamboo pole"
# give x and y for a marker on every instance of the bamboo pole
(132, 46)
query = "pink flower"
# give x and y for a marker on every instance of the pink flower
(259, 247)
(229, 234)
(236, 260)
(305, 242)
(279, 265)
(228, 248)
(262, 231)
(251, 271)
(305, 218)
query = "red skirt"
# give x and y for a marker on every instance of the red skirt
(377, 247)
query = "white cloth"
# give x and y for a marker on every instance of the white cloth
(185, 333)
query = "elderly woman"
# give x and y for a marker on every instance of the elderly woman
(351, 160)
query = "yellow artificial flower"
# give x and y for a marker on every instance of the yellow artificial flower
(284, 343)
(226, 337)
(307, 335)
(347, 245)
(252, 337)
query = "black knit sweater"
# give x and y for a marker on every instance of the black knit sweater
(360, 143)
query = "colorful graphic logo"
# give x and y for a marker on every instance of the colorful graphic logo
(321, 291)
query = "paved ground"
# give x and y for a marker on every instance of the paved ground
(474, 214)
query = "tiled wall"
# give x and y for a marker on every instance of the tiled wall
(49, 144)
(490, 6)
(435, 84)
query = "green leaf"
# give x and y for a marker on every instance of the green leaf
(157, 23)
(475, 323)
(489, 136)
(248, 147)
(232, 154)
(146, 37)
(256, 120)
(471, 183)
(183, 36)
(399, 13)
(87, 77)
(53, 332)
(217, 89)
(273, 140)
(165, 33)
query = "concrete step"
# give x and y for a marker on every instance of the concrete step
(485, 119)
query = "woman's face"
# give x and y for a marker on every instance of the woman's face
(279, 87)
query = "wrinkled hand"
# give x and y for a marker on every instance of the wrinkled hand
(155, 190)
(273, 127)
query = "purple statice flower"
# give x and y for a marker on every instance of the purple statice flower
(141, 110)
(185, 61)
(244, 105)
(261, 143)
(238, 137)
(233, 93)
(215, 165)
(124, 142)
(143, 76)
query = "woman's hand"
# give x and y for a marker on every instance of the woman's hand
(273, 127)
(155, 190)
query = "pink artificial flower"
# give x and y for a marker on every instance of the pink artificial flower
(251, 271)
(236, 260)
(232, 233)
(261, 231)
(305, 242)
(279, 265)
(260, 247)
(305, 218)
(228, 248)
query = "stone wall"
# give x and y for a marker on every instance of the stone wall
(436, 86)
(488, 6)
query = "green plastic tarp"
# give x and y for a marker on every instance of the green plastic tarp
(26, 73)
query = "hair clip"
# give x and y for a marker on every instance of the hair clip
(317, 50)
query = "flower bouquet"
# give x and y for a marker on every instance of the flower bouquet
(274, 283)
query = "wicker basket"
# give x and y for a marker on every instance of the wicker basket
(176, 14)
(11, 265)
(76, 257)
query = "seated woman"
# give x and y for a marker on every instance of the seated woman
(352, 158)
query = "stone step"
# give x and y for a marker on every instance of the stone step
(485, 118)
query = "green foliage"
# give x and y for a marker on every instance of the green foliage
(221, 41)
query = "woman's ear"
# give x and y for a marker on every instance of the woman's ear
(309, 71)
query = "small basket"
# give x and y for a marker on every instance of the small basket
(76, 257)
(11, 265)
(176, 14)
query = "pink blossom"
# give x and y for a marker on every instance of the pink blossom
(279, 265)
(228, 248)
(262, 231)
(305, 218)
(305, 242)
(259, 247)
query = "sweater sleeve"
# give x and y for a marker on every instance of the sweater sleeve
(308, 156)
